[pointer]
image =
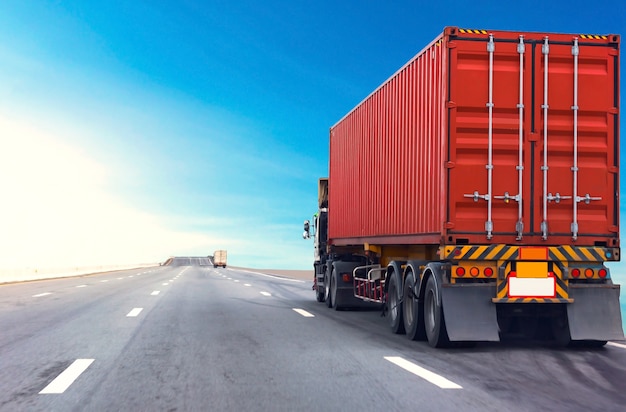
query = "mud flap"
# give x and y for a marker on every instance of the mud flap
(595, 313)
(469, 313)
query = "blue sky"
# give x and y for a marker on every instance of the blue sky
(135, 130)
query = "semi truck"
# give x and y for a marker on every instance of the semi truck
(219, 258)
(475, 193)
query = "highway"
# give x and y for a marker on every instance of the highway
(189, 337)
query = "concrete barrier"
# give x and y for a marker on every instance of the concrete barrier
(28, 274)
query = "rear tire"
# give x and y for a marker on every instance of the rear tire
(394, 306)
(433, 316)
(333, 292)
(320, 295)
(327, 297)
(413, 319)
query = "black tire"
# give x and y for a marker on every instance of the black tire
(327, 297)
(434, 321)
(394, 306)
(336, 304)
(319, 294)
(411, 313)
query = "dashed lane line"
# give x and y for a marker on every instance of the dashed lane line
(431, 377)
(133, 313)
(247, 284)
(42, 294)
(304, 313)
(266, 294)
(165, 284)
(81, 286)
(67, 377)
(156, 292)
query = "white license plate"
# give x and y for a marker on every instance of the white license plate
(532, 287)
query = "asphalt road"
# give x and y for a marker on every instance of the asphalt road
(195, 338)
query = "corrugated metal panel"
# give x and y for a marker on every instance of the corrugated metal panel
(597, 146)
(404, 160)
(384, 174)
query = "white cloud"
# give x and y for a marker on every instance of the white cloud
(55, 210)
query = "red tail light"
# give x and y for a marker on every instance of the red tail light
(346, 277)
(602, 273)
(460, 271)
(488, 272)
(575, 273)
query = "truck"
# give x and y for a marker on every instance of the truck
(219, 258)
(475, 193)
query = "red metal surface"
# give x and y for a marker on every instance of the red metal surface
(403, 161)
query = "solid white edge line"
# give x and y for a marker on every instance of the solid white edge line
(42, 294)
(133, 313)
(156, 292)
(431, 377)
(67, 377)
(304, 313)
(265, 293)
(273, 277)
(616, 345)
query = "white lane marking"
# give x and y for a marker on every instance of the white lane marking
(133, 313)
(266, 294)
(67, 377)
(130, 276)
(247, 284)
(103, 281)
(42, 294)
(617, 345)
(431, 377)
(304, 313)
(165, 284)
(229, 278)
(81, 286)
(273, 277)
(156, 292)
(236, 281)
(120, 278)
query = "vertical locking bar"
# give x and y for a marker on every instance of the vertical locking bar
(545, 49)
(574, 228)
(489, 224)
(520, 167)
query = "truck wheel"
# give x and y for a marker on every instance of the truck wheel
(413, 320)
(327, 297)
(394, 306)
(320, 294)
(434, 321)
(333, 291)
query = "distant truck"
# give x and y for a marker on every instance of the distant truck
(475, 193)
(219, 258)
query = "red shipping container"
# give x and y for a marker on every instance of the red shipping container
(484, 137)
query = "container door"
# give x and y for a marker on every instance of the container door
(527, 166)
(575, 162)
